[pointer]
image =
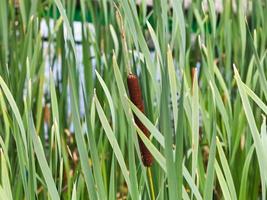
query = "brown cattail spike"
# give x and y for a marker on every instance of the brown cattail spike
(136, 98)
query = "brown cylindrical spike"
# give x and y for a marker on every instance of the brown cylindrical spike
(136, 98)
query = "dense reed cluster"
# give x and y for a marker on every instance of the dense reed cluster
(117, 99)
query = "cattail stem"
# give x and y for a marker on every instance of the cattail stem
(136, 98)
(151, 183)
(123, 39)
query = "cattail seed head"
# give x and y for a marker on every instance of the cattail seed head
(136, 98)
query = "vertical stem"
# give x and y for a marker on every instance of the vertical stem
(123, 39)
(151, 183)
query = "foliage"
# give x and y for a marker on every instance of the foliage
(66, 125)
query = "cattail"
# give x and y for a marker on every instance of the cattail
(136, 98)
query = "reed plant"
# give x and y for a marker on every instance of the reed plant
(191, 125)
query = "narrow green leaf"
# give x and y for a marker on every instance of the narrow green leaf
(243, 192)
(253, 127)
(113, 141)
(15, 110)
(195, 126)
(46, 171)
(226, 171)
(109, 98)
(5, 181)
(222, 182)
(153, 150)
